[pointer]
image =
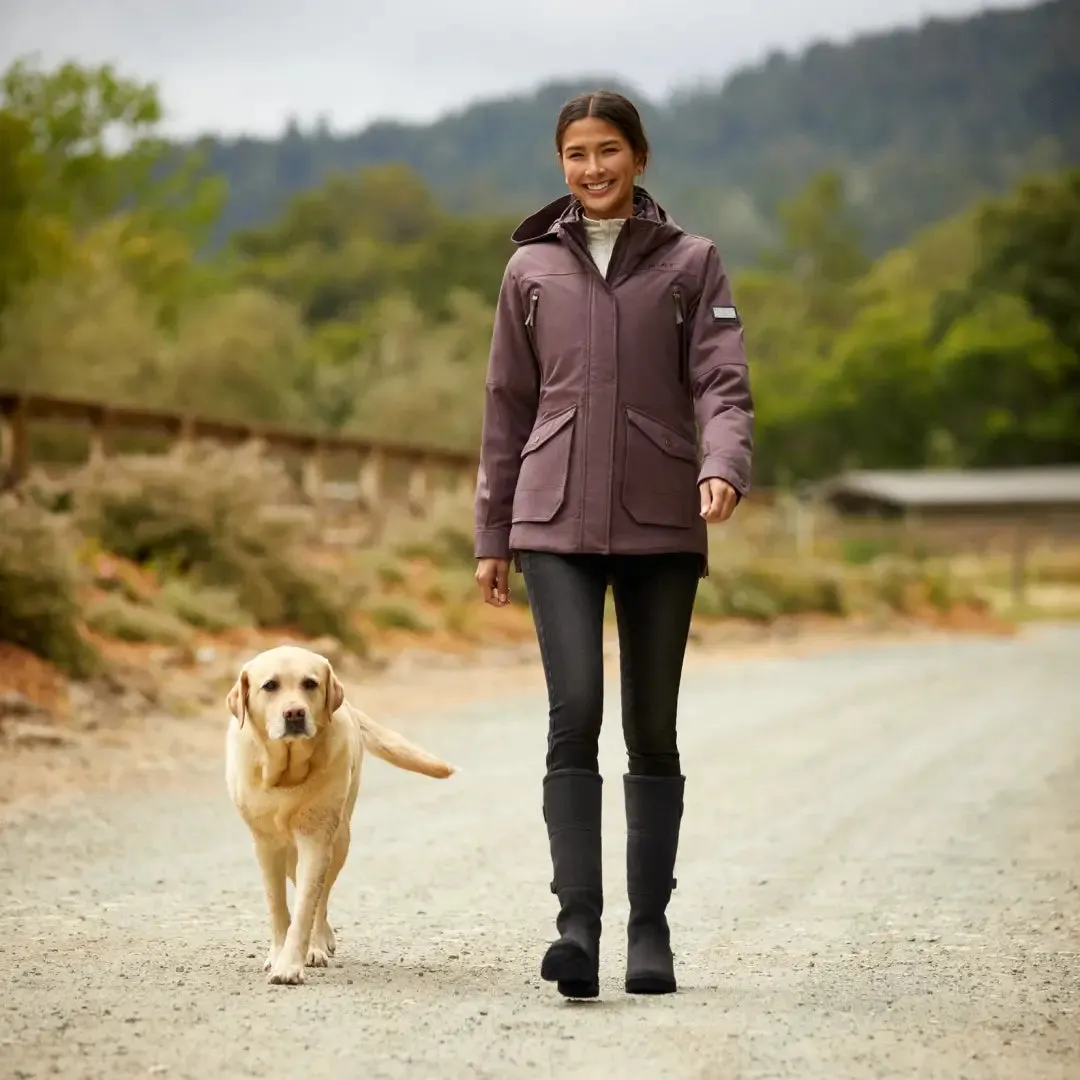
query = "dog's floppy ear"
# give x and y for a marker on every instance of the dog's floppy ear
(335, 692)
(237, 698)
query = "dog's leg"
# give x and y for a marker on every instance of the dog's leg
(314, 854)
(322, 937)
(272, 859)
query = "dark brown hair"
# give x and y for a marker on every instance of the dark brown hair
(607, 105)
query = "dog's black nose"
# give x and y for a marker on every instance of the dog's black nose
(295, 720)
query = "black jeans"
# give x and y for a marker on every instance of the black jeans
(654, 599)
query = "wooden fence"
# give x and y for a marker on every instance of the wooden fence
(360, 481)
(334, 468)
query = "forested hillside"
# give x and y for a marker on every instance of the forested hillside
(918, 122)
(364, 303)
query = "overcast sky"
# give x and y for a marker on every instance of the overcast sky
(246, 65)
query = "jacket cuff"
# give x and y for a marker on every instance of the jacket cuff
(492, 544)
(719, 469)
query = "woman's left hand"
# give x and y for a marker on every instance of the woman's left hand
(717, 499)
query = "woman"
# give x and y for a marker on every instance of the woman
(615, 337)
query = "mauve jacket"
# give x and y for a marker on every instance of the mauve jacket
(598, 390)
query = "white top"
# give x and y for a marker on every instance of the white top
(602, 236)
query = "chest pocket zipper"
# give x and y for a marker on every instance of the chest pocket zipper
(530, 318)
(680, 323)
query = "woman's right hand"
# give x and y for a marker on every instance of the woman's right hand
(493, 577)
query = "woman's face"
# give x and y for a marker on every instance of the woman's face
(600, 168)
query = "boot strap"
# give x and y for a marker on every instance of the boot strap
(674, 886)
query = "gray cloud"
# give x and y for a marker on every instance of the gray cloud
(245, 65)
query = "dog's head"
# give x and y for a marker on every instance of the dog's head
(286, 693)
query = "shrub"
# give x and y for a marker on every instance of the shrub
(198, 514)
(390, 573)
(763, 592)
(204, 608)
(458, 584)
(396, 615)
(39, 608)
(444, 536)
(116, 617)
(448, 546)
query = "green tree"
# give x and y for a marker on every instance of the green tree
(80, 150)
(820, 249)
(1031, 244)
(18, 254)
(96, 135)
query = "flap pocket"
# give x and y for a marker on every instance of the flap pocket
(547, 429)
(663, 436)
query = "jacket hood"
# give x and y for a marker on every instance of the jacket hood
(549, 220)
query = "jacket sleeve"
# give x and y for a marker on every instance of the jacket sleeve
(720, 379)
(511, 398)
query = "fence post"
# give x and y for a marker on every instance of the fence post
(418, 488)
(99, 443)
(371, 475)
(14, 442)
(1018, 574)
(803, 514)
(466, 484)
(312, 479)
(185, 436)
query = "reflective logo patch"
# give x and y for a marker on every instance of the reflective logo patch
(725, 314)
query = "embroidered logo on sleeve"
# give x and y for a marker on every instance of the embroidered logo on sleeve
(725, 314)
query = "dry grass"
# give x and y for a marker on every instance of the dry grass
(181, 548)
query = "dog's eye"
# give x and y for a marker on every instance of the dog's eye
(270, 685)
(310, 683)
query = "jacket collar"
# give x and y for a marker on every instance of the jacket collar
(648, 228)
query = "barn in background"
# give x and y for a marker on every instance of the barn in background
(1041, 500)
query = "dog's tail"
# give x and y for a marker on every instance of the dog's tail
(395, 749)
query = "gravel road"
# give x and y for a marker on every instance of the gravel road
(880, 877)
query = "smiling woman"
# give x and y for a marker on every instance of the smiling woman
(617, 351)
(603, 148)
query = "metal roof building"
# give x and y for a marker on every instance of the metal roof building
(1054, 488)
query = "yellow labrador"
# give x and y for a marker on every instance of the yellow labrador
(292, 767)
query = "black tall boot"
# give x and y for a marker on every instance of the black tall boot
(572, 804)
(654, 806)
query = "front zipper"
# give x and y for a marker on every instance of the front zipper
(680, 323)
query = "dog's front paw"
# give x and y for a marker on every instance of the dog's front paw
(271, 959)
(286, 971)
(329, 940)
(323, 946)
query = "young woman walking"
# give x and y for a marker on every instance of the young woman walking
(618, 421)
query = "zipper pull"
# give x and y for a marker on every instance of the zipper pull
(680, 319)
(534, 299)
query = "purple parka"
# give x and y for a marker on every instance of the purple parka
(608, 399)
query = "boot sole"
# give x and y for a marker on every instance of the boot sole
(650, 984)
(569, 967)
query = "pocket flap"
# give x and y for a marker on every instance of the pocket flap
(548, 428)
(662, 435)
